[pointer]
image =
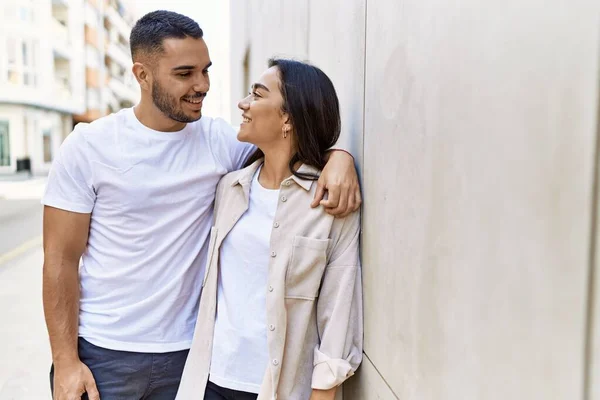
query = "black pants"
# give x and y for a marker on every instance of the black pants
(214, 392)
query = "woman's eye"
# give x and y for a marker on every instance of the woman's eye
(184, 75)
(255, 94)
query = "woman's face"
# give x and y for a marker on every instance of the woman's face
(263, 120)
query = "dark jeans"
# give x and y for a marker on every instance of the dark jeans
(214, 392)
(124, 375)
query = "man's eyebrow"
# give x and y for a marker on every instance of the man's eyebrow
(183, 67)
(260, 86)
(188, 67)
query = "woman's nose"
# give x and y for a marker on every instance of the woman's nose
(243, 103)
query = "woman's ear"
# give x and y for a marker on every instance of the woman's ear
(287, 122)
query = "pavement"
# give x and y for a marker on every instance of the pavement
(20, 188)
(24, 349)
(24, 346)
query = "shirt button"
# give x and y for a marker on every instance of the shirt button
(273, 254)
(271, 327)
(270, 288)
(288, 183)
(276, 224)
(275, 362)
(283, 198)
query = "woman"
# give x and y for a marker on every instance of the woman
(281, 310)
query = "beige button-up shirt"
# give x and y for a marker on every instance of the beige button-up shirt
(314, 293)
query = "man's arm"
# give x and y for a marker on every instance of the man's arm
(340, 180)
(65, 239)
(317, 394)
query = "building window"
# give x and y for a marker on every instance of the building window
(26, 53)
(47, 146)
(4, 145)
(26, 14)
(11, 60)
(21, 60)
(34, 62)
(28, 64)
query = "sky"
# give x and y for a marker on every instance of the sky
(213, 17)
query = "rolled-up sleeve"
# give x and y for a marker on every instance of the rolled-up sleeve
(340, 310)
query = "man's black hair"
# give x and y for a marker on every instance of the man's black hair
(152, 29)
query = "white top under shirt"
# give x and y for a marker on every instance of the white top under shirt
(240, 353)
(150, 195)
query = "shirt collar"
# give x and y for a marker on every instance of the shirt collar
(244, 176)
(306, 184)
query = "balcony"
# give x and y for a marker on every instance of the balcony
(118, 22)
(62, 88)
(61, 42)
(60, 31)
(92, 77)
(62, 79)
(91, 36)
(123, 92)
(110, 98)
(119, 54)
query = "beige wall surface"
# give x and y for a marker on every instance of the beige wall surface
(474, 126)
(336, 44)
(483, 178)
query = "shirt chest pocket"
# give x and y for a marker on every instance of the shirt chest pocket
(306, 267)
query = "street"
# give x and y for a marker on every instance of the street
(24, 347)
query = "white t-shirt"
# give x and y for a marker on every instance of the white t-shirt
(240, 353)
(150, 195)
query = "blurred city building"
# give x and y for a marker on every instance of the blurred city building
(61, 62)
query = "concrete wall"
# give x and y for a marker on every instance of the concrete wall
(475, 127)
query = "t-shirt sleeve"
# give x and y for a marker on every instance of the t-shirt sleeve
(70, 185)
(231, 152)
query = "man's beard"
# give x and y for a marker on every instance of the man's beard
(168, 104)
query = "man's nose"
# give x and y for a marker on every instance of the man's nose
(202, 84)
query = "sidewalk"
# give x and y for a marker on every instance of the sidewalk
(24, 348)
(31, 188)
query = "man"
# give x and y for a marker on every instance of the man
(131, 194)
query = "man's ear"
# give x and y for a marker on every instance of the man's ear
(143, 75)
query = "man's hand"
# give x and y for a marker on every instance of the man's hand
(340, 180)
(323, 394)
(72, 380)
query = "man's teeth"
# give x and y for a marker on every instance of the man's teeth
(247, 119)
(194, 101)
